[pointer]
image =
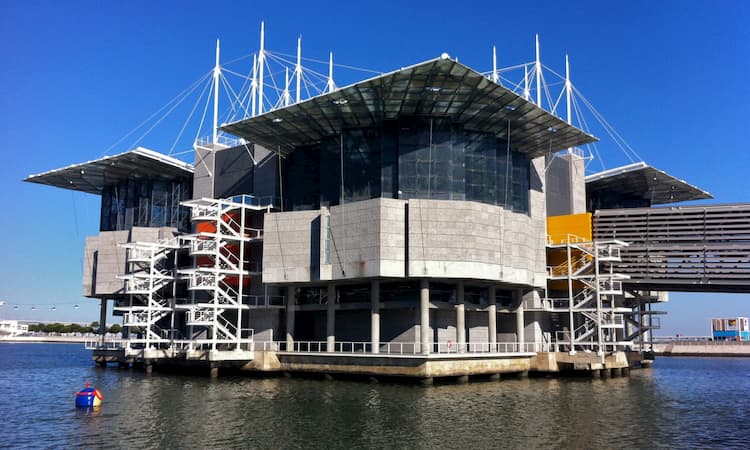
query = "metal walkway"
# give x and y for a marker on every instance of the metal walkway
(686, 248)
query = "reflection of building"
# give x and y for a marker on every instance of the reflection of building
(398, 226)
(12, 328)
(732, 329)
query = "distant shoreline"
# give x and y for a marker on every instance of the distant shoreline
(45, 339)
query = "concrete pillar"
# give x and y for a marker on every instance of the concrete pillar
(616, 372)
(460, 318)
(520, 335)
(495, 377)
(427, 381)
(102, 320)
(148, 367)
(626, 371)
(375, 317)
(214, 372)
(424, 316)
(595, 373)
(492, 318)
(290, 306)
(605, 373)
(462, 379)
(331, 318)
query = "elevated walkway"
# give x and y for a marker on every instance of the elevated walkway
(685, 248)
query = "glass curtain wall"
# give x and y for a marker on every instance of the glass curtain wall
(145, 203)
(426, 158)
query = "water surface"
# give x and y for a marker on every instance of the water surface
(681, 402)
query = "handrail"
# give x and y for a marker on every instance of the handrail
(400, 348)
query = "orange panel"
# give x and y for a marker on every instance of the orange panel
(578, 225)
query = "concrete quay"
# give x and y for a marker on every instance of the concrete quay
(703, 348)
(417, 367)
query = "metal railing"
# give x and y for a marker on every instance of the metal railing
(264, 300)
(220, 139)
(400, 348)
(108, 344)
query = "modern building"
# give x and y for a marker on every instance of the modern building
(427, 222)
(731, 329)
(12, 328)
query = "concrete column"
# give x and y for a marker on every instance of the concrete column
(424, 315)
(102, 320)
(520, 335)
(492, 318)
(214, 372)
(331, 318)
(290, 307)
(460, 318)
(375, 316)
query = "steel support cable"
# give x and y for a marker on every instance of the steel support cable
(610, 129)
(244, 91)
(190, 116)
(202, 158)
(279, 54)
(230, 94)
(306, 70)
(164, 116)
(582, 120)
(189, 88)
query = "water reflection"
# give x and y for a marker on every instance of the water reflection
(680, 403)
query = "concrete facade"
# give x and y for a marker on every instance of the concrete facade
(382, 237)
(105, 259)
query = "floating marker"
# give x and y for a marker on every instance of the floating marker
(89, 397)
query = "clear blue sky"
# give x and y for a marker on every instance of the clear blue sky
(671, 76)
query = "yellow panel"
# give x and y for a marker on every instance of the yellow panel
(577, 226)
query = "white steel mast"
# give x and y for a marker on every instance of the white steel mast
(254, 86)
(286, 98)
(298, 68)
(568, 89)
(217, 73)
(261, 63)
(538, 67)
(330, 86)
(494, 64)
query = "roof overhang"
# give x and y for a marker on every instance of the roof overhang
(93, 176)
(641, 180)
(439, 87)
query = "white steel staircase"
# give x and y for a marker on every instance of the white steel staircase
(593, 289)
(150, 284)
(220, 277)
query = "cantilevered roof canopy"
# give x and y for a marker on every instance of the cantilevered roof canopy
(93, 176)
(439, 87)
(643, 181)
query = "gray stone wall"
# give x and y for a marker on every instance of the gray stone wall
(288, 246)
(446, 239)
(105, 260)
(203, 181)
(566, 185)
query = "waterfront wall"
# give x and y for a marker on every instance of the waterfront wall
(703, 349)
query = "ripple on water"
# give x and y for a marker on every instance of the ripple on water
(680, 403)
